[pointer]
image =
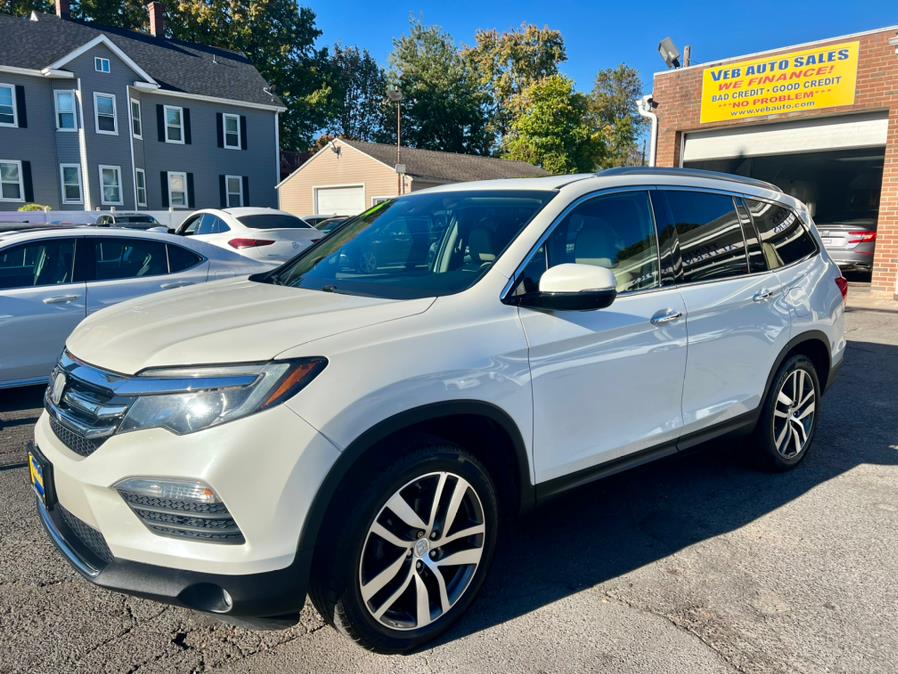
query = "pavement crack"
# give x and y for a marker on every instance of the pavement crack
(679, 626)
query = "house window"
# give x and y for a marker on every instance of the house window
(70, 179)
(101, 65)
(11, 186)
(231, 129)
(234, 188)
(379, 200)
(110, 185)
(8, 115)
(177, 189)
(140, 184)
(136, 123)
(174, 124)
(65, 110)
(104, 109)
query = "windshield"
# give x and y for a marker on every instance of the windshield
(273, 221)
(419, 246)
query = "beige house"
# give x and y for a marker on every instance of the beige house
(348, 176)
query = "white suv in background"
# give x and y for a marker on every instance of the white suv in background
(362, 430)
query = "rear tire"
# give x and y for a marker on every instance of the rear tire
(411, 550)
(789, 416)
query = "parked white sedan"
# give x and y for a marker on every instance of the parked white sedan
(263, 234)
(52, 278)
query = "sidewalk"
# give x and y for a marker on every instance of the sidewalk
(861, 297)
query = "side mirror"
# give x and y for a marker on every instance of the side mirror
(573, 287)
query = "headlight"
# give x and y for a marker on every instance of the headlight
(185, 400)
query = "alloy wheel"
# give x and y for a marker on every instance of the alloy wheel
(793, 414)
(422, 551)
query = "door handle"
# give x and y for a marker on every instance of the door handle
(666, 316)
(762, 295)
(175, 284)
(60, 299)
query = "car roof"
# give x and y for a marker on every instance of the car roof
(584, 183)
(252, 210)
(19, 236)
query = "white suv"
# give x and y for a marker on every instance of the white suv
(360, 422)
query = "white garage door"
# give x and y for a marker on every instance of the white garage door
(340, 200)
(828, 133)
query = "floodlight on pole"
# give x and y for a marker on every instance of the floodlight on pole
(669, 53)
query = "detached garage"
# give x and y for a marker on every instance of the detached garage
(820, 120)
(347, 177)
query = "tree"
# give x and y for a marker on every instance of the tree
(551, 128)
(359, 86)
(444, 104)
(24, 7)
(278, 36)
(130, 14)
(612, 106)
(508, 63)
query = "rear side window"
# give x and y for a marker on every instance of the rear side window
(42, 263)
(212, 224)
(120, 258)
(273, 221)
(784, 239)
(708, 231)
(180, 259)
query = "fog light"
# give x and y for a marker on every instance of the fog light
(180, 509)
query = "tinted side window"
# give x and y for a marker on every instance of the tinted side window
(117, 258)
(708, 232)
(212, 224)
(784, 239)
(756, 262)
(180, 259)
(43, 263)
(615, 231)
(189, 226)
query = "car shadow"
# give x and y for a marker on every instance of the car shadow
(602, 531)
(21, 400)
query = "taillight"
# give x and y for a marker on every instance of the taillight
(843, 286)
(868, 236)
(249, 243)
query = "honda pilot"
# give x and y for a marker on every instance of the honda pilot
(360, 424)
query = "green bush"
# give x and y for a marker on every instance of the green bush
(28, 208)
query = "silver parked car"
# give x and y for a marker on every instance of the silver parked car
(51, 279)
(850, 243)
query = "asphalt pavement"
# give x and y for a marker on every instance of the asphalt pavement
(697, 563)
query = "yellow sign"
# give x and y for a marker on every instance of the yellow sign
(811, 79)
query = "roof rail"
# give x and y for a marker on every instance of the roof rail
(687, 172)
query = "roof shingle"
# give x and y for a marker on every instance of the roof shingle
(448, 166)
(176, 66)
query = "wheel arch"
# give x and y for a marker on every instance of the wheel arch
(452, 420)
(812, 343)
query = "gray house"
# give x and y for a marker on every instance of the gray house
(94, 117)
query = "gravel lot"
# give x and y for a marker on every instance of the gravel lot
(698, 563)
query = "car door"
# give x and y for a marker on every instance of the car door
(40, 304)
(606, 383)
(126, 267)
(737, 320)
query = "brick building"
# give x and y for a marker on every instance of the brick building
(818, 119)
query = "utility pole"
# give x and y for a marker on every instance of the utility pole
(395, 95)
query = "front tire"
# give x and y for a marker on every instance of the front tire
(411, 553)
(789, 417)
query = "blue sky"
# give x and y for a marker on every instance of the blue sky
(602, 34)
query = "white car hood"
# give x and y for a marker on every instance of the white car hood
(227, 321)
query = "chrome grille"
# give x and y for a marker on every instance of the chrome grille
(83, 412)
(91, 538)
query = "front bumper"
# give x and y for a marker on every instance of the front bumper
(277, 595)
(267, 468)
